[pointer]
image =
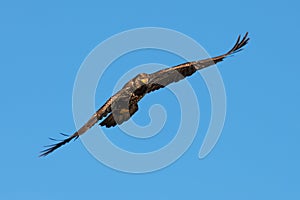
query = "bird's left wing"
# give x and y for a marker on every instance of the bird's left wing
(164, 77)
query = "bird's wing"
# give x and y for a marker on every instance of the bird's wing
(99, 114)
(164, 77)
(156, 81)
(120, 115)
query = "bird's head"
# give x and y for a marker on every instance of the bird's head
(142, 79)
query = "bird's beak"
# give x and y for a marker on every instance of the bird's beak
(144, 80)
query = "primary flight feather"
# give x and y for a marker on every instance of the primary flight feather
(121, 106)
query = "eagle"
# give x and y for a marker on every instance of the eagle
(122, 105)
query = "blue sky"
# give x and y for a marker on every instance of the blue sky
(43, 45)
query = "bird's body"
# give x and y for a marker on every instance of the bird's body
(122, 105)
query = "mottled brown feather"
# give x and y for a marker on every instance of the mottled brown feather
(170, 75)
(124, 103)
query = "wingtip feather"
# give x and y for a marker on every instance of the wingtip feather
(52, 147)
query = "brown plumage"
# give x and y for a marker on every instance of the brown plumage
(121, 106)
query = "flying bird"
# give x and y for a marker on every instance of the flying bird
(122, 105)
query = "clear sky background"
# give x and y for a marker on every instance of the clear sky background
(42, 46)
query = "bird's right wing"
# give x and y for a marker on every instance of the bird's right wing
(99, 114)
